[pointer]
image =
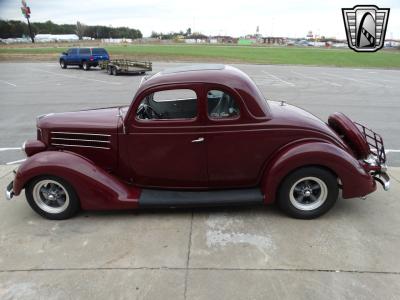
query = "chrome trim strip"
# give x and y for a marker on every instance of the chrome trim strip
(97, 134)
(53, 144)
(81, 140)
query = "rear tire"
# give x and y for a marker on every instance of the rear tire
(52, 197)
(63, 64)
(85, 66)
(308, 192)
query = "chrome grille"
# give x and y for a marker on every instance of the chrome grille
(83, 140)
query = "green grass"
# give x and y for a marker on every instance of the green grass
(249, 54)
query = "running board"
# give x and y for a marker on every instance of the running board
(167, 198)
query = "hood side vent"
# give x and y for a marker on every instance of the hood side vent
(83, 140)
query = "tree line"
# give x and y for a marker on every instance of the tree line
(175, 35)
(17, 29)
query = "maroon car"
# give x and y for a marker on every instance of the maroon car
(197, 136)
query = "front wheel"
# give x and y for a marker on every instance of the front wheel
(308, 192)
(63, 64)
(52, 197)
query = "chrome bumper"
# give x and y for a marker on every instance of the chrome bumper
(9, 191)
(384, 179)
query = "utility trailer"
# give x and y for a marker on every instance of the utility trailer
(118, 66)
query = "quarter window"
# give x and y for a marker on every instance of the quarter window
(178, 104)
(221, 105)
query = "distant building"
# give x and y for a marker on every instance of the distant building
(274, 40)
(56, 38)
(116, 41)
(223, 39)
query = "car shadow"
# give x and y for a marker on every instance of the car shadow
(270, 210)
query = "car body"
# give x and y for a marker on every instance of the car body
(83, 57)
(219, 142)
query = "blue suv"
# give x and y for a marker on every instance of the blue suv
(83, 57)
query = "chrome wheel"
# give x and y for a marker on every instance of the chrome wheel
(308, 193)
(51, 196)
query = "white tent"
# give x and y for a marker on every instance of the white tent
(55, 37)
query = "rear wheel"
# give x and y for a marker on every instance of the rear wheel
(308, 192)
(85, 66)
(52, 197)
(63, 64)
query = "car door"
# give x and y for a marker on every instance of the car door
(72, 57)
(237, 146)
(164, 144)
(84, 54)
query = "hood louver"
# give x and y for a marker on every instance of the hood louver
(83, 140)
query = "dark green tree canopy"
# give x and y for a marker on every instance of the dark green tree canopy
(16, 29)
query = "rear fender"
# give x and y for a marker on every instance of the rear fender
(356, 182)
(96, 188)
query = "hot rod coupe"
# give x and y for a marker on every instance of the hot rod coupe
(197, 136)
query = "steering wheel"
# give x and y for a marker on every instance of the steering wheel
(145, 111)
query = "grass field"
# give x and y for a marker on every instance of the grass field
(248, 54)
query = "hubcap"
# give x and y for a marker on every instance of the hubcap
(51, 196)
(308, 193)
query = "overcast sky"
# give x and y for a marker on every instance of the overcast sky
(293, 18)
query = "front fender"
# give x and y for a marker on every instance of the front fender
(96, 188)
(356, 182)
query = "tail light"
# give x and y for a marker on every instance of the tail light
(91, 58)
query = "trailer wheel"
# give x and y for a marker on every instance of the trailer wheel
(109, 70)
(115, 71)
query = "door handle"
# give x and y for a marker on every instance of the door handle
(199, 140)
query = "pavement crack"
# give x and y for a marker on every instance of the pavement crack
(188, 256)
(203, 269)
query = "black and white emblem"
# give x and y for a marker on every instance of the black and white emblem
(365, 27)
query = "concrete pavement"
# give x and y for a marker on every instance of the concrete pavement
(221, 253)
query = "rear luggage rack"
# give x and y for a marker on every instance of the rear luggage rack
(375, 143)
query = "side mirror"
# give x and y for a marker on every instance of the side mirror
(65, 53)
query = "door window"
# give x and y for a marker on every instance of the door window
(221, 105)
(72, 51)
(180, 104)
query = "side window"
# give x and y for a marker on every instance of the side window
(84, 51)
(221, 105)
(178, 104)
(73, 51)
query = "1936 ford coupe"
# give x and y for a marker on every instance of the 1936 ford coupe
(197, 136)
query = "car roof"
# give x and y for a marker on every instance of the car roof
(217, 74)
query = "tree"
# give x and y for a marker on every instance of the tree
(80, 29)
(189, 31)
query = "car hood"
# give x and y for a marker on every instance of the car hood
(102, 120)
(286, 115)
